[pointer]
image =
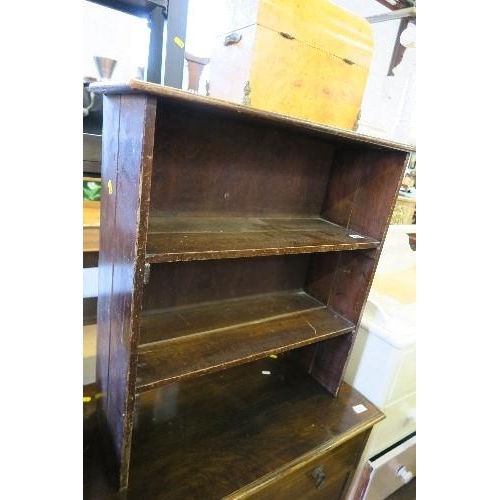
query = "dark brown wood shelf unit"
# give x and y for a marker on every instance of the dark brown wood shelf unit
(195, 340)
(229, 235)
(173, 239)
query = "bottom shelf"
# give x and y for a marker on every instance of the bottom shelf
(211, 436)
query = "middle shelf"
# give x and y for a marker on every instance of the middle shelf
(181, 342)
(183, 238)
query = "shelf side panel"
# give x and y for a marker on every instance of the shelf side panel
(363, 190)
(128, 141)
(106, 247)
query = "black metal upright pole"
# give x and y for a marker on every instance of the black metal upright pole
(176, 39)
(156, 25)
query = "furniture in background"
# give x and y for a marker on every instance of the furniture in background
(91, 223)
(161, 14)
(195, 66)
(405, 210)
(304, 59)
(237, 249)
(382, 367)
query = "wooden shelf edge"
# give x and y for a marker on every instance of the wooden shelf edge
(181, 358)
(265, 252)
(187, 238)
(242, 111)
(235, 362)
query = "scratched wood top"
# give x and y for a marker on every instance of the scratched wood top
(218, 105)
(183, 342)
(173, 239)
(210, 436)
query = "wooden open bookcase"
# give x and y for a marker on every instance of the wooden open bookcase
(237, 249)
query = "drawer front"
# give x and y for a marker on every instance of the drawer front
(400, 421)
(325, 477)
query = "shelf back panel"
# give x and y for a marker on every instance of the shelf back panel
(183, 283)
(207, 165)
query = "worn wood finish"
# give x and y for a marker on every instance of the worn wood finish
(175, 322)
(195, 238)
(205, 166)
(327, 366)
(105, 286)
(358, 198)
(274, 324)
(166, 414)
(123, 250)
(340, 280)
(186, 283)
(320, 274)
(247, 114)
(345, 280)
(351, 282)
(337, 467)
(239, 426)
(107, 254)
(226, 166)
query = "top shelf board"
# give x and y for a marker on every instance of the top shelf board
(219, 105)
(172, 239)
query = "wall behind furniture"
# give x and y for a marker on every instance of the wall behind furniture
(114, 34)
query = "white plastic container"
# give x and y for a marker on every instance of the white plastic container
(382, 363)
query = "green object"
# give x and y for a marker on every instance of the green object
(91, 190)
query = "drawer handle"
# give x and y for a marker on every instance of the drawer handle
(318, 474)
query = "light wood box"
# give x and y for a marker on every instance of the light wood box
(308, 60)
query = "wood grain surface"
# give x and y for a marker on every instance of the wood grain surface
(192, 188)
(126, 160)
(214, 435)
(234, 433)
(219, 106)
(218, 336)
(197, 238)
